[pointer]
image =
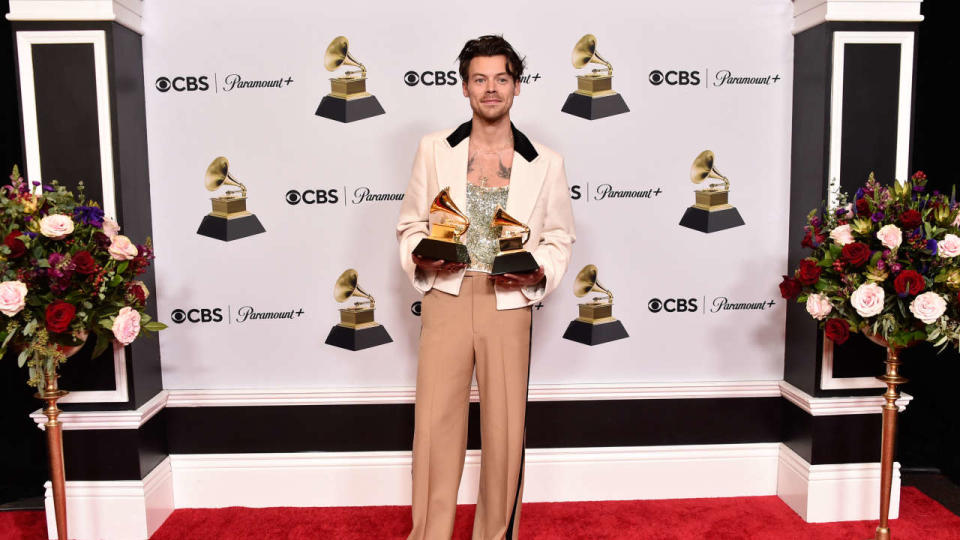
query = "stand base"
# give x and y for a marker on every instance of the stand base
(519, 262)
(230, 229)
(429, 248)
(349, 110)
(595, 334)
(706, 221)
(594, 108)
(355, 339)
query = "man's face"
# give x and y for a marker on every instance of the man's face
(490, 88)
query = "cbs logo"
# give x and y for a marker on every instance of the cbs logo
(182, 84)
(416, 308)
(203, 315)
(312, 196)
(674, 78)
(430, 78)
(673, 305)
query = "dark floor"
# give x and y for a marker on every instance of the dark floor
(936, 486)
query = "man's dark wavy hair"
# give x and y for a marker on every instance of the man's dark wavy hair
(491, 46)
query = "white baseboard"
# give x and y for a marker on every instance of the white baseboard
(118, 510)
(567, 474)
(824, 493)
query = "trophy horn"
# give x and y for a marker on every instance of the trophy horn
(502, 218)
(586, 282)
(444, 204)
(218, 174)
(585, 52)
(346, 287)
(337, 55)
(703, 168)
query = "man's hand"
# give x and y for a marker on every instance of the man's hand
(512, 282)
(437, 265)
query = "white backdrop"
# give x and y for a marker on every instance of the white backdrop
(275, 144)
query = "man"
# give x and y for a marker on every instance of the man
(470, 318)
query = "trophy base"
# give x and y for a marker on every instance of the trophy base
(593, 108)
(349, 110)
(519, 262)
(227, 229)
(595, 334)
(355, 339)
(429, 248)
(706, 221)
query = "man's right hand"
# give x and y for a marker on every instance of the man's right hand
(437, 265)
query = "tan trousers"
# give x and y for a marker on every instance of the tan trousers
(458, 333)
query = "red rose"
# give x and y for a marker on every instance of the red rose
(909, 282)
(84, 263)
(808, 273)
(59, 316)
(17, 247)
(855, 253)
(911, 219)
(863, 207)
(838, 330)
(789, 287)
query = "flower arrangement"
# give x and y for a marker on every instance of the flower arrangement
(886, 263)
(65, 274)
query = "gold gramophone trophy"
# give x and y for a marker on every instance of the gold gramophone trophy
(512, 258)
(596, 323)
(444, 240)
(348, 100)
(229, 219)
(594, 97)
(712, 211)
(357, 330)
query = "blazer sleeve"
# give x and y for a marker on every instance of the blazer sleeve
(414, 221)
(556, 237)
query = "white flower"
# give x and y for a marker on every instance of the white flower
(867, 299)
(13, 296)
(842, 235)
(949, 247)
(928, 307)
(890, 236)
(56, 226)
(818, 306)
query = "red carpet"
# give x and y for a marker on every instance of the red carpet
(735, 518)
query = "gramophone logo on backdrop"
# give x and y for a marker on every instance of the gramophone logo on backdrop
(596, 323)
(356, 330)
(348, 100)
(594, 97)
(712, 211)
(229, 219)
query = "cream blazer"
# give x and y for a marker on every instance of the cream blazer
(538, 196)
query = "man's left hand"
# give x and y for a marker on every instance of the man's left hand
(512, 282)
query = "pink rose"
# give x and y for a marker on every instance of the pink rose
(928, 307)
(121, 248)
(842, 235)
(867, 299)
(13, 296)
(56, 226)
(890, 236)
(818, 306)
(126, 326)
(110, 227)
(949, 247)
